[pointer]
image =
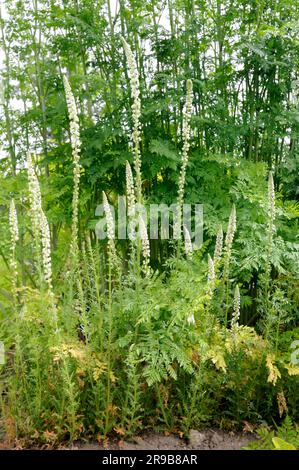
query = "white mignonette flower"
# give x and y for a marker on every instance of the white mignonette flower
(40, 223)
(46, 249)
(236, 311)
(13, 223)
(110, 231)
(74, 120)
(211, 270)
(41, 229)
(145, 246)
(136, 113)
(130, 191)
(109, 218)
(14, 235)
(35, 198)
(188, 242)
(218, 245)
(186, 142)
(76, 148)
(231, 229)
(211, 276)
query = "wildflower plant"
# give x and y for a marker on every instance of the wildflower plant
(231, 229)
(218, 246)
(271, 211)
(34, 197)
(186, 144)
(131, 201)
(110, 231)
(236, 310)
(76, 148)
(145, 246)
(41, 229)
(46, 250)
(188, 243)
(211, 276)
(136, 113)
(14, 237)
(134, 348)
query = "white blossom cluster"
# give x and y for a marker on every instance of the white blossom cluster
(76, 147)
(46, 250)
(136, 113)
(35, 198)
(218, 246)
(186, 142)
(40, 223)
(14, 235)
(109, 218)
(211, 270)
(13, 223)
(231, 229)
(236, 311)
(145, 246)
(130, 191)
(110, 230)
(131, 200)
(188, 242)
(211, 275)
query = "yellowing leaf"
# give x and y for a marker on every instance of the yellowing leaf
(98, 370)
(274, 373)
(280, 444)
(292, 369)
(120, 431)
(217, 357)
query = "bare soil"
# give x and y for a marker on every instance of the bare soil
(199, 440)
(209, 439)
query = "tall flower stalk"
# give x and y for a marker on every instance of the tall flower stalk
(111, 264)
(211, 276)
(41, 229)
(35, 198)
(76, 148)
(188, 242)
(186, 146)
(130, 191)
(270, 225)
(131, 201)
(145, 247)
(14, 237)
(231, 229)
(218, 246)
(136, 113)
(236, 310)
(266, 279)
(110, 231)
(46, 250)
(136, 140)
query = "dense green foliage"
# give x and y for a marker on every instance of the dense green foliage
(123, 355)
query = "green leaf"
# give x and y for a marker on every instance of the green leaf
(163, 148)
(280, 444)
